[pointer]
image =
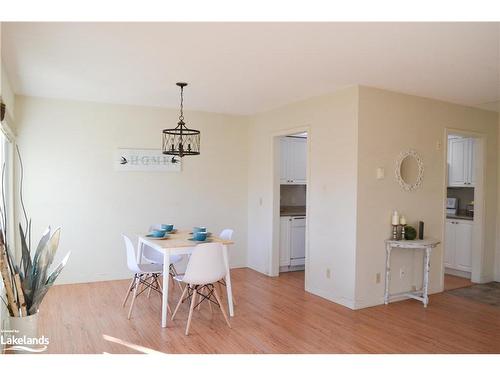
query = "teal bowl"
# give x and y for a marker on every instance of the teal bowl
(199, 229)
(167, 227)
(200, 236)
(158, 233)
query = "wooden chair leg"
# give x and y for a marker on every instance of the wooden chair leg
(208, 300)
(128, 292)
(191, 308)
(199, 305)
(137, 283)
(180, 301)
(222, 307)
(150, 287)
(222, 294)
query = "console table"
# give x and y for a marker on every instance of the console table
(427, 245)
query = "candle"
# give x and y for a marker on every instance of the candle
(402, 221)
(395, 218)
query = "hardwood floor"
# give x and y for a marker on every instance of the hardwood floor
(454, 282)
(272, 315)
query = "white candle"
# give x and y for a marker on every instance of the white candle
(402, 221)
(395, 218)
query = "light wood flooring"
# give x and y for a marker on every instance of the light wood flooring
(454, 282)
(272, 315)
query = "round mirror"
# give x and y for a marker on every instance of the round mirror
(409, 170)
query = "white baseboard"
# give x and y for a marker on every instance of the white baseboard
(458, 273)
(332, 298)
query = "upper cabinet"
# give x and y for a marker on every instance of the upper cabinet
(461, 171)
(293, 166)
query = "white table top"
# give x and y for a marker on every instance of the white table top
(413, 244)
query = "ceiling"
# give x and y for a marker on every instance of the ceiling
(246, 68)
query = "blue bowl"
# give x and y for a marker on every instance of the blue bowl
(158, 233)
(200, 236)
(199, 229)
(167, 227)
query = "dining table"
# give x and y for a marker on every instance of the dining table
(179, 242)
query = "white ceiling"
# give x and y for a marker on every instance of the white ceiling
(245, 68)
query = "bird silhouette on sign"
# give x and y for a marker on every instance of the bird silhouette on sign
(123, 160)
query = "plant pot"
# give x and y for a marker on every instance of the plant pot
(24, 326)
(23, 335)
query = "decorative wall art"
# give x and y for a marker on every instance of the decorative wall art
(146, 160)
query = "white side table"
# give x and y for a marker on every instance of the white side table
(427, 245)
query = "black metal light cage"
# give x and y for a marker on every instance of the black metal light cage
(181, 141)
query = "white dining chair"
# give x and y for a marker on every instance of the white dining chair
(150, 255)
(226, 234)
(146, 275)
(205, 268)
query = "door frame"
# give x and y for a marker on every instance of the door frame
(275, 176)
(478, 274)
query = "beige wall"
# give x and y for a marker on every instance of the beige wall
(389, 123)
(332, 133)
(68, 149)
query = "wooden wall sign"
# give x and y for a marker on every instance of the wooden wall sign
(146, 160)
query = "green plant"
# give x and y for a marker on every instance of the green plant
(27, 282)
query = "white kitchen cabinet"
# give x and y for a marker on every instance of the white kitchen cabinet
(292, 241)
(461, 161)
(458, 244)
(298, 241)
(285, 226)
(293, 164)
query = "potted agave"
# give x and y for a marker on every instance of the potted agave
(27, 281)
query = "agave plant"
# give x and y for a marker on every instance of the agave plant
(27, 282)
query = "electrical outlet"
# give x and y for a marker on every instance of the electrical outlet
(377, 278)
(260, 201)
(413, 288)
(328, 273)
(402, 273)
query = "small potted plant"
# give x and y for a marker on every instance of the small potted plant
(27, 281)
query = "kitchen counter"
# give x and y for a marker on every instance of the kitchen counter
(460, 217)
(293, 211)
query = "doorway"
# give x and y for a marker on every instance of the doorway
(290, 197)
(463, 246)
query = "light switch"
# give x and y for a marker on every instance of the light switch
(380, 173)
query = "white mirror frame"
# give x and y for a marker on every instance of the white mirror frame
(402, 156)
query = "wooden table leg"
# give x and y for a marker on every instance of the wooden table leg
(427, 260)
(166, 277)
(228, 282)
(388, 249)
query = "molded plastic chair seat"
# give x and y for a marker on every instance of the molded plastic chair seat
(206, 266)
(144, 274)
(150, 268)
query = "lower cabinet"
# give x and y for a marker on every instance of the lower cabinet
(458, 245)
(292, 241)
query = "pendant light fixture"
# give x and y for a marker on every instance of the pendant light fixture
(181, 141)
